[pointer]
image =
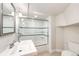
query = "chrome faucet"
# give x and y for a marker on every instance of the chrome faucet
(11, 45)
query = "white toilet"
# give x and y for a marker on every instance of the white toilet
(73, 49)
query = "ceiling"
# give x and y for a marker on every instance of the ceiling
(49, 8)
(41, 8)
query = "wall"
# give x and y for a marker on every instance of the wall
(61, 20)
(52, 34)
(59, 38)
(6, 40)
(71, 33)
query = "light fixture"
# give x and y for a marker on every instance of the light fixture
(20, 14)
(12, 13)
(38, 13)
(35, 16)
(23, 23)
(28, 12)
(22, 20)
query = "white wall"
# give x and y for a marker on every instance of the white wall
(6, 40)
(59, 38)
(60, 20)
(71, 33)
(52, 34)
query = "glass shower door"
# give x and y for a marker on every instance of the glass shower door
(35, 30)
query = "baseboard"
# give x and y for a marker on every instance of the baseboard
(59, 50)
(52, 51)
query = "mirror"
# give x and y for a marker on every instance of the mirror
(8, 18)
(0, 18)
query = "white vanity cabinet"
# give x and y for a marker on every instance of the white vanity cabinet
(23, 48)
(26, 48)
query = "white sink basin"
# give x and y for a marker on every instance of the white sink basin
(23, 48)
(8, 51)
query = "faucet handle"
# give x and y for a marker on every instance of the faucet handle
(14, 41)
(11, 45)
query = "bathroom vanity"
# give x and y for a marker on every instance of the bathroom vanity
(23, 48)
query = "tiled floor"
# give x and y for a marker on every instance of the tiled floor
(49, 54)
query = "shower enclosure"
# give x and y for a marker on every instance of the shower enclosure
(34, 29)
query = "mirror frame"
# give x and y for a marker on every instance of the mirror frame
(1, 20)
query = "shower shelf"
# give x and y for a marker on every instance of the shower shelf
(38, 19)
(35, 35)
(35, 27)
(8, 15)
